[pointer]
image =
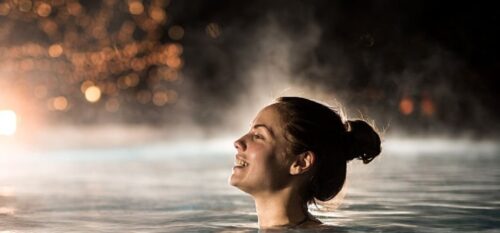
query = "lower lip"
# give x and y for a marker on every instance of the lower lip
(238, 167)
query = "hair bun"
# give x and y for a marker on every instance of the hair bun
(363, 141)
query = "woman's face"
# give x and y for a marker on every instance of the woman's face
(260, 164)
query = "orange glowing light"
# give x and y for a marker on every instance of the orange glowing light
(174, 50)
(132, 80)
(55, 50)
(93, 94)
(43, 9)
(160, 98)
(86, 84)
(427, 107)
(406, 106)
(4, 9)
(136, 8)
(176, 32)
(60, 103)
(174, 62)
(158, 14)
(97, 58)
(74, 8)
(8, 122)
(130, 50)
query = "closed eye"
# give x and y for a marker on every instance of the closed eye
(257, 136)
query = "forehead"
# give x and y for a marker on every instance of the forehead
(270, 117)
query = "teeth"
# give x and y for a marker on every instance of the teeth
(240, 163)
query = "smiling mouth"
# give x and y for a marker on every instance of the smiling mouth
(240, 163)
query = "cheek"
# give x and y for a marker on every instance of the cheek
(268, 167)
(262, 155)
(263, 166)
(267, 156)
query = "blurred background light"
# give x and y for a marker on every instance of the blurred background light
(93, 94)
(8, 122)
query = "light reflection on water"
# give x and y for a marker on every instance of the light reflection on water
(445, 192)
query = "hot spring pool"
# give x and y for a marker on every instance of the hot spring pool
(138, 190)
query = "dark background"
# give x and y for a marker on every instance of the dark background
(446, 51)
(376, 57)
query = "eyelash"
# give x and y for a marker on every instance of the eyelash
(257, 136)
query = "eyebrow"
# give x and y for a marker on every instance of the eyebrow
(266, 127)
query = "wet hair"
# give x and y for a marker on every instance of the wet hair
(311, 126)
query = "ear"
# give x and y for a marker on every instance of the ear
(303, 163)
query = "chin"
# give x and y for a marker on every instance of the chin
(236, 182)
(232, 180)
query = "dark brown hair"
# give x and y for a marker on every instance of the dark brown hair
(311, 126)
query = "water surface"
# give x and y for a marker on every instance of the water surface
(139, 190)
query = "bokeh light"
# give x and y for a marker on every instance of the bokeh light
(135, 7)
(160, 98)
(158, 14)
(4, 9)
(406, 106)
(427, 107)
(55, 50)
(8, 122)
(85, 85)
(74, 8)
(93, 94)
(176, 32)
(213, 30)
(126, 54)
(60, 103)
(43, 9)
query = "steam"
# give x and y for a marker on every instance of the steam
(278, 58)
(267, 70)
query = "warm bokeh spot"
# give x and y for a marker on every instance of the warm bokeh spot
(8, 122)
(406, 106)
(93, 94)
(55, 50)
(427, 107)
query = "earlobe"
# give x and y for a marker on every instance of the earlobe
(302, 163)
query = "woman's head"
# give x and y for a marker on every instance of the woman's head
(303, 135)
(260, 165)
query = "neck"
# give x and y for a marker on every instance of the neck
(282, 208)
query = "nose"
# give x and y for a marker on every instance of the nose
(240, 144)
